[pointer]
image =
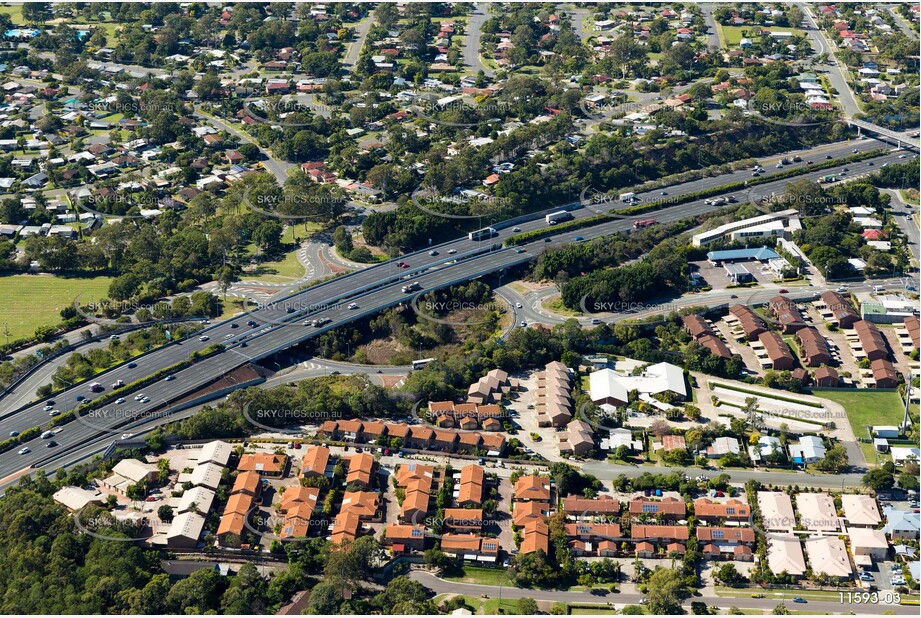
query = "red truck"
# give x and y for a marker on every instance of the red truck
(638, 225)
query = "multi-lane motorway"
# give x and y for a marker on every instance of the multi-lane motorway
(281, 326)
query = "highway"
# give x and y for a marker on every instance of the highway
(276, 329)
(440, 586)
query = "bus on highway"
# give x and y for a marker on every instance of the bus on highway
(486, 232)
(422, 362)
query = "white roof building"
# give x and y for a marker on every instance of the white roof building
(902, 454)
(767, 445)
(776, 511)
(860, 510)
(207, 475)
(134, 470)
(185, 530)
(217, 452)
(606, 386)
(621, 437)
(75, 498)
(808, 450)
(785, 555)
(197, 500)
(828, 556)
(817, 512)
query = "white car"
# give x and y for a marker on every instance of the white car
(518, 305)
(353, 306)
(452, 251)
(25, 450)
(120, 401)
(54, 413)
(203, 338)
(125, 436)
(145, 400)
(523, 324)
(139, 396)
(46, 408)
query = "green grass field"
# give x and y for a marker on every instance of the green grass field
(280, 271)
(482, 606)
(15, 13)
(30, 301)
(731, 35)
(477, 575)
(867, 407)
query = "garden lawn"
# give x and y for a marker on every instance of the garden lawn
(867, 407)
(30, 301)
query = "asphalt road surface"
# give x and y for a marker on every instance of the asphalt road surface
(276, 329)
(472, 42)
(440, 586)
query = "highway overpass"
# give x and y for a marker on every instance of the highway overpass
(372, 290)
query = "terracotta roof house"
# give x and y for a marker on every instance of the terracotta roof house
(696, 325)
(813, 347)
(492, 443)
(826, 377)
(248, 483)
(871, 340)
(315, 461)
(581, 508)
(842, 312)
(669, 508)
(405, 537)
(532, 488)
(716, 346)
(361, 470)
(296, 495)
(420, 437)
(778, 352)
(639, 532)
(674, 443)
(346, 527)
(266, 464)
(751, 324)
(787, 314)
(464, 520)
(913, 326)
(364, 504)
(884, 374)
(470, 488)
(523, 512)
(468, 442)
(536, 537)
(731, 510)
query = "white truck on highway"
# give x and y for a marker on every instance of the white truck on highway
(716, 201)
(412, 287)
(556, 217)
(627, 197)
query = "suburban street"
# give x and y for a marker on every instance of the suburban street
(472, 42)
(355, 46)
(440, 586)
(837, 72)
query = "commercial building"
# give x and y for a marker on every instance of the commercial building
(762, 226)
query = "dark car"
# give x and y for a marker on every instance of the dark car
(51, 444)
(132, 365)
(80, 397)
(234, 325)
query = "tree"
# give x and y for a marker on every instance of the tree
(699, 608)
(908, 482)
(666, 590)
(165, 513)
(527, 606)
(878, 480)
(728, 574)
(780, 610)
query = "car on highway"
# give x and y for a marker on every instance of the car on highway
(125, 436)
(234, 325)
(46, 408)
(518, 305)
(809, 162)
(452, 251)
(228, 336)
(132, 365)
(901, 156)
(548, 239)
(25, 450)
(801, 599)
(519, 250)
(828, 157)
(203, 338)
(516, 229)
(334, 372)
(145, 400)
(433, 252)
(784, 291)
(870, 163)
(51, 444)
(733, 296)
(119, 401)
(13, 434)
(139, 396)
(353, 306)
(169, 378)
(663, 193)
(54, 413)
(579, 238)
(404, 265)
